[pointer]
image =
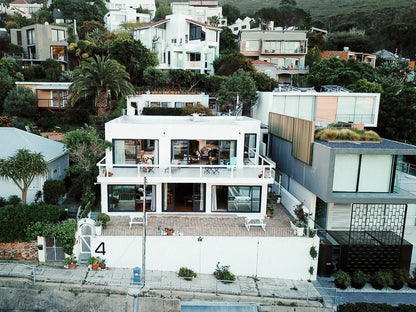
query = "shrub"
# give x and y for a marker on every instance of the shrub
(223, 274)
(104, 218)
(186, 273)
(381, 279)
(53, 190)
(313, 252)
(342, 279)
(162, 111)
(16, 218)
(399, 279)
(359, 279)
(20, 102)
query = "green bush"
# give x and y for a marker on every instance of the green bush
(359, 279)
(342, 279)
(16, 218)
(313, 253)
(411, 280)
(104, 218)
(381, 279)
(186, 273)
(53, 190)
(399, 279)
(20, 102)
(223, 273)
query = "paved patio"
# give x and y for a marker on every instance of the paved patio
(192, 224)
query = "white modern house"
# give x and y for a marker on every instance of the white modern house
(241, 24)
(201, 178)
(115, 17)
(180, 42)
(171, 99)
(197, 165)
(135, 4)
(13, 139)
(200, 10)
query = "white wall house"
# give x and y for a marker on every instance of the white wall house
(241, 24)
(181, 42)
(201, 11)
(136, 103)
(12, 139)
(125, 4)
(115, 17)
(192, 164)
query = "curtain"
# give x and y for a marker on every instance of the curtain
(156, 153)
(153, 204)
(119, 152)
(214, 198)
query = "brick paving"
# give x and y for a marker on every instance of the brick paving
(188, 224)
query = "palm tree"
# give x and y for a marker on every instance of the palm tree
(97, 77)
(22, 168)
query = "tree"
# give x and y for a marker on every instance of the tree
(263, 82)
(230, 12)
(155, 77)
(163, 10)
(240, 85)
(228, 64)
(288, 2)
(89, 26)
(22, 168)
(52, 69)
(214, 21)
(20, 102)
(228, 43)
(134, 56)
(184, 79)
(98, 76)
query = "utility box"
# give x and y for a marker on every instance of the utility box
(136, 276)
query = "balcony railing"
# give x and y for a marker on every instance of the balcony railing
(263, 170)
(356, 118)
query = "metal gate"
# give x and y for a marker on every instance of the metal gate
(54, 251)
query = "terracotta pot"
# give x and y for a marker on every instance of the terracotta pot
(72, 266)
(95, 266)
(268, 213)
(169, 232)
(110, 174)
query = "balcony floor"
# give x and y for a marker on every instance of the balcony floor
(201, 225)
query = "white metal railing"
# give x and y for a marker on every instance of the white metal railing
(265, 168)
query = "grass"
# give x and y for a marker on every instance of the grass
(346, 134)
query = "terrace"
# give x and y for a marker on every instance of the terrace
(201, 225)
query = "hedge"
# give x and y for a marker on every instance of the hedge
(375, 307)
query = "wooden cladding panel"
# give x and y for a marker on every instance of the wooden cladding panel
(303, 135)
(281, 126)
(298, 131)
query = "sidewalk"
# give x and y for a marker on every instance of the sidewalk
(165, 281)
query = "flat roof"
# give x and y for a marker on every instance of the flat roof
(385, 145)
(185, 120)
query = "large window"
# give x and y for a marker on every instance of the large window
(127, 198)
(135, 151)
(363, 173)
(196, 32)
(58, 35)
(236, 198)
(58, 53)
(31, 38)
(214, 152)
(59, 98)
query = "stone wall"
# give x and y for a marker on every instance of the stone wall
(19, 251)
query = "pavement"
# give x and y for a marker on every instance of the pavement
(206, 286)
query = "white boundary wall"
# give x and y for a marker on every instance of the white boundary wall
(274, 257)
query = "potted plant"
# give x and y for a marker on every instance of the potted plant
(186, 274)
(342, 280)
(98, 227)
(223, 274)
(104, 218)
(93, 261)
(70, 262)
(169, 231)
(411, 281)
(101, 263)
(359, 279)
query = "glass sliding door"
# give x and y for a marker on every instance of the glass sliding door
(180, 151)
(249, 145)
(184, 197)
(236, 198)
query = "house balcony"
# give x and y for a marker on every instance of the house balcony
(186, 173)
(292, 70)
(264, 172)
